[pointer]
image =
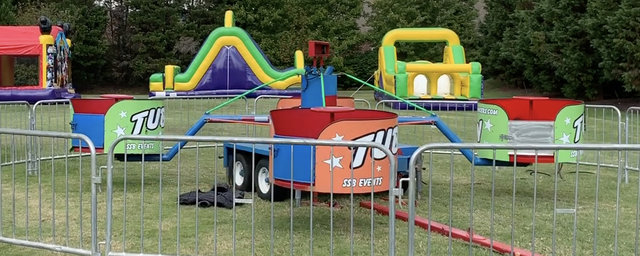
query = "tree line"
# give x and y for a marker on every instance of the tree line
(577, 49)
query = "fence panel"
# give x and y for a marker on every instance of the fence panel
(144, 216)
(16, 115)
(53, 207)
(602, 125)
(632, 136)
(459, 116)
(181, 113)
(52, 115)
(535, 209)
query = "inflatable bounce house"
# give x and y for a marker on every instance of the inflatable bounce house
(50, 46)
(453, 79)
(228, 63)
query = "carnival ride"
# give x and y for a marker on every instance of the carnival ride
(320, 114)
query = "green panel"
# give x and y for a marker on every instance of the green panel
(134, 117)
(402, 67)
(568, 129)
(176, 70)
(476, 68)
(401, 85)
(492, 127)
(157, 77)
(458, 54)
(475, 86)
(389, 53)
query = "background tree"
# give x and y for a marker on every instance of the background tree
(7, 8)
(615, 33)
(500, 19)
(155, 29)
(89, 50)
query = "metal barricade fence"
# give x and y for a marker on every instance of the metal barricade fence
(632, 136)
(539, 209)
(458, 115)
(362, 104)
(144, 215)
(49, 115)
(181, 112)
(52, 115)
(16, 115)
(603, 125)
(53, 207)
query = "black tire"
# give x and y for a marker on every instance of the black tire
(239, 173)
(263, 183)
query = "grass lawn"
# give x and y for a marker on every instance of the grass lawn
(148, 219)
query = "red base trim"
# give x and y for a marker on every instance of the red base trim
(531, 159)
(446, 230)
(86, 150)
(296, 185)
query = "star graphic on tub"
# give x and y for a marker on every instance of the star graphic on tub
(334, 162)
(488, 125)
(119, 131)
(123, 114)
(379, 168)
(565, 138)
(567, 121)
(338, 137)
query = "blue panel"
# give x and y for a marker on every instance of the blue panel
(91, 125)
(312, 87)
(404, 154)
(303, 162)
(260, 150)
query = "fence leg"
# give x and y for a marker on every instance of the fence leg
(32, 150)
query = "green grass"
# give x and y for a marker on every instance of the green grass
(153, 215)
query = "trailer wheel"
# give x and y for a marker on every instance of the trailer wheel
(263, 184)
(239, 173)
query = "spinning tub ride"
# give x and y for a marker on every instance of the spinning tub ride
(333, 123)
(530, 120)
(110, 116)
(309, 167)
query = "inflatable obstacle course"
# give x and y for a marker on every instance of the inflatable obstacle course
(228, 63)
(453, 79)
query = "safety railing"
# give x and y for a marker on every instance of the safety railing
(181, 112)
(536, 209)
(144, 214)
(632, 136)
(53, 207)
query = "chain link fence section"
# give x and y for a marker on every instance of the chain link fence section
(53, 207)
(144, 216)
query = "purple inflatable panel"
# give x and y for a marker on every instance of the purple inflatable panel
(229, 71)
(228, 92)
(33, 96)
